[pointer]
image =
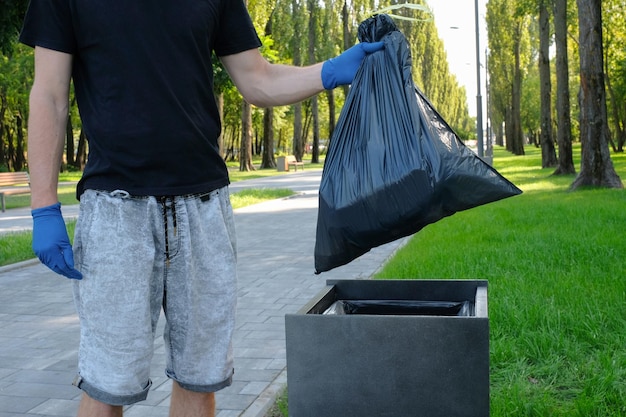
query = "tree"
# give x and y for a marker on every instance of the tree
(508, 46)
(298, 14)
(548, 153)
(596, 168)
(260, 12)
(16, 75)
(530, 108)
(515, 137)
(11, 17)
(565, 163)
(614, 38)
(267, 159)
(313, 22)
(245, 149)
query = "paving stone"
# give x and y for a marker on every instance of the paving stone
(59, 408)
(10, 403)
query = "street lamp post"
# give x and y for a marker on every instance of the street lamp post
(479, 99)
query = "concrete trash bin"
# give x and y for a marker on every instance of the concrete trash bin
(433, 363)
(281, 163)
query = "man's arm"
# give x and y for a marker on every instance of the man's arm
(264, 84)
(49, 101)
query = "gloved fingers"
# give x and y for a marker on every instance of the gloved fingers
(69, 270)
(51, 243)
(60, 259)
(369, 47)
(68, 273)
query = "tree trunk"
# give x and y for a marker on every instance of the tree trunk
(548, 153)
(245, 150)
(619, 131)
(81, 151)
(517, 139)
(3, 108)
(10, 148)
(268, 161)
(69, 141)
(297, 61)
(19, 149)
(596, 168)
(219, 99)
(347, 38)
(499, 134)
(314, 100)
(564, 123)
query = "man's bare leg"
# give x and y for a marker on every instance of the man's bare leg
(186, 403)
(92, 408)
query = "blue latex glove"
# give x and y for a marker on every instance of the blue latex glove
(51, 243)
(342, 69)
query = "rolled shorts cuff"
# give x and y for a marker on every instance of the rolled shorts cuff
(201, 388)
(108, 398)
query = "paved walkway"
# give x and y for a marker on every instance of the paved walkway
(39, 329)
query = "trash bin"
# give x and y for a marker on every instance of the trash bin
(408, 348)
(281, 163)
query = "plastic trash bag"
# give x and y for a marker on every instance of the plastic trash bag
(393, 165)
(400, 308)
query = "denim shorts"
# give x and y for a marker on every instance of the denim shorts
(141, 255)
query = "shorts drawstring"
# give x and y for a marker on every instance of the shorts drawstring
(164, 200)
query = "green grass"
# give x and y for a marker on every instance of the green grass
(557, 290)
(16, 247)
(252, 196)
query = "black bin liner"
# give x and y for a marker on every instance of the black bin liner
(401, 308)
(394, 165)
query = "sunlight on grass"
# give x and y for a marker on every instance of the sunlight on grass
(252, 196)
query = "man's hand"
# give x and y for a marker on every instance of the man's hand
(342, 69)
(51, 243)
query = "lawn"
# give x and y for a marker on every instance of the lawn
(555, 264)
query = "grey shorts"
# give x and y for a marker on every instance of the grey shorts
(139, 255)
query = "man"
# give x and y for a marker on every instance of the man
(155, 228)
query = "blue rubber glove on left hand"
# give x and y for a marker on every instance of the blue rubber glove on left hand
(342, 69)
(51, 243)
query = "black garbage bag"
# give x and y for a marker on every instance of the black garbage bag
(393, 165)
(401, 308)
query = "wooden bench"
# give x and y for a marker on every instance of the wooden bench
(13, 183)
(291, 160)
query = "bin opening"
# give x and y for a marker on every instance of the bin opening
(401, 307)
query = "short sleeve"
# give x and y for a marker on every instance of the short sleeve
(48, 23)
(236, 32)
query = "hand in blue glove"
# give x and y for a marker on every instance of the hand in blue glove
(51, 242)
(342, 69)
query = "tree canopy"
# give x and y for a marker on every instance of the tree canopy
(300, 32)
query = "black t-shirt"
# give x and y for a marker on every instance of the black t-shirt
(143, 80)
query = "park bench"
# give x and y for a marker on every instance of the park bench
(291, 160)
(12, 183)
